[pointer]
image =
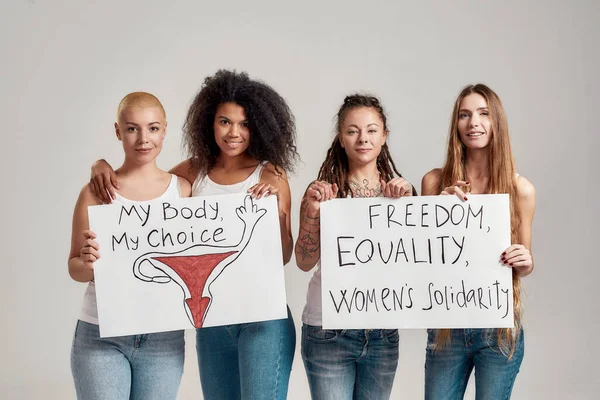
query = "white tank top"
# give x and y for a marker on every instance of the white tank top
(89, 311)
(204, 186)
(312, 314)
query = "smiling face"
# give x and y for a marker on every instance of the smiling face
(231, 129)
(362, 134)
(474, 123)
(142, 130)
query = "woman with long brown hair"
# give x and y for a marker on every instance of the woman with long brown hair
(349, 364)
(480, 161)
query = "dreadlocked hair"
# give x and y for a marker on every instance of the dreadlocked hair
(335, 168)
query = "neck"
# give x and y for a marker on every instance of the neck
(477, 163)
(228, 163)
(143, 170)
(364, 172)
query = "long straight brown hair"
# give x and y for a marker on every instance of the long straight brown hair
(502, 180)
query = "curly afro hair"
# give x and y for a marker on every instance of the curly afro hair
(270, 120)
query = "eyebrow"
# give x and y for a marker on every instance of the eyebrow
(133, 123)
(356, 126)
(479, 109)
(228, 119)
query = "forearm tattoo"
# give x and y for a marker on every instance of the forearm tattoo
(309, 239)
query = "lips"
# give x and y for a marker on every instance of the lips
(475, 134)
(232, 143)
(143, 150)
(363, 150)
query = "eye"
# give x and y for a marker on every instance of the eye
(224, 122)
(352, 132)
(131, 129)
(245, 124)
(463, 115)
(154, 128)
(373, 131)
(484, 113)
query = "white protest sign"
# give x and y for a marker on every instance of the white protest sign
(416, 262)
(184, 263)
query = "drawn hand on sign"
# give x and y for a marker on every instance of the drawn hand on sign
(197, 267)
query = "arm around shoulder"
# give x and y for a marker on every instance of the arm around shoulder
(185, 170)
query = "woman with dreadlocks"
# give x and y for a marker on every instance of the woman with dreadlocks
(479, 160)
(358, 164)
(240, 135)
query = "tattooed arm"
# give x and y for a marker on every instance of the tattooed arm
(308, 245)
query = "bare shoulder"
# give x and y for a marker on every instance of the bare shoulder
(430, 182)
(525, 189)
(185, 187)
(87, 196)
(273, 175)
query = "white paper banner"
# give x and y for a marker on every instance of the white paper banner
(416, 262)
(184, 263)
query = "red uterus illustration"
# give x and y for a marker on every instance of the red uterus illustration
(195, 268)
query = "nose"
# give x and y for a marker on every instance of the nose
(143, 136)
(362, 138)
(474, 120)
(234, 130)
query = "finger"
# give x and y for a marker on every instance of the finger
(114, 180)
(254, 190)
(461, 183)
(112, 192)
(461, 195)
(520, 264)
(382, 186)
(335, 189)
(509, 250)
(94, 253)
(88, 234)
(89, 243)
(516, 256)
(101, 189)
(260, 190)
(314, 193)
(444, 192)
(406, 190)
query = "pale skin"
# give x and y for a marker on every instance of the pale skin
(233, 165)
(362, 134)
(474, 130)
(141, 131)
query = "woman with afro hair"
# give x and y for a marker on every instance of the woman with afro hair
(240, 137)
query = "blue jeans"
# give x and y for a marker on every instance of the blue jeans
(246, 361)
(136, 367)
(447, 371)
(350, 364)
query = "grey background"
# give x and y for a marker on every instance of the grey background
(66, 64)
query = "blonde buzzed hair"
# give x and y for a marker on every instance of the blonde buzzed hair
(139, 99)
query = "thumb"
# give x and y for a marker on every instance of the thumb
(335, 189)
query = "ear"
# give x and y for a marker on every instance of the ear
(117, 132)
(385, 135)
(340, 140)
(165, 132)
